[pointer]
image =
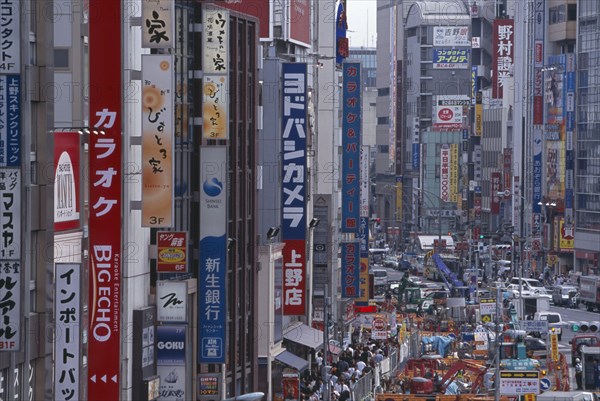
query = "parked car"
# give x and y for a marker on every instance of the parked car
(562, 294)
(380, 276)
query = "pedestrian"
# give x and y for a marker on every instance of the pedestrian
(579, 374)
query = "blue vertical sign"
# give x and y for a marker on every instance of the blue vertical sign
(10, 121)
(416, 157)
(350, 269)
(351, 131)
(212, 289)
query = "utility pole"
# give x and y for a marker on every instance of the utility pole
(326, 306)
(497, 329)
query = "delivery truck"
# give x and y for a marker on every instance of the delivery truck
(589, 292)
(527, 306)
(565, 396)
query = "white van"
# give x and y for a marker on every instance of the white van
(380, 276)
(531, 284)
(554, 322)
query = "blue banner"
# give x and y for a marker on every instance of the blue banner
(10, 121)
(351, 138)
(350, 269)
(416, 157)
(170, 345)
(449, 59)
(363, 237)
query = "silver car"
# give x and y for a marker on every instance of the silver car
(562, 294)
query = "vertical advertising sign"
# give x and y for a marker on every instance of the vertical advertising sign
(67, 311)
(158, 142)
(10, 294)
(341, 26)
(104, 355)
(158, 24)
(554, 98)
(445, 173)
(10, 29)
(293, 197)
(507, 170)
(454, 172)
(478, 114)
(171, 251)
(502, 60)
(416, 157)
(66, 180)
(170, 362)
(10, 214)
(364, 181)
(566, 239)
(212, 274)
(351, 139)
(10, 117)
(537, 179)
(215, 67)
(299, 21)
(363, 287)
(171, 301)
(350, 269)
(262, 10)
(570, 132)
(496, 187)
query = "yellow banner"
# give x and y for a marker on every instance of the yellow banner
(398, 202)
(478, 119)
(364, 281)
(554, 347)
(454, 172)
(567, 241)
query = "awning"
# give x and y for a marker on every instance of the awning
(292, 360)
(306, 336)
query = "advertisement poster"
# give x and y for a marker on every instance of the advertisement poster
(158, 27)
(450, 59)
(445, 173)
(170, 362)
(171, 251)
(449, 112)
(66, 180)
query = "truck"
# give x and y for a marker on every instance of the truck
(527, 306)
(589, 292)
(565, 396)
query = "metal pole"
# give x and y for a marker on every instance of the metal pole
(497, 329)
(326, 392)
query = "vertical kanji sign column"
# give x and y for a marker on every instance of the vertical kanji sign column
(104, 183)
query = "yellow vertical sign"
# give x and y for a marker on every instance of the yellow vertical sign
(529, 397)
(364, 281)
(454, 172)
(554, 346)
(399, 202)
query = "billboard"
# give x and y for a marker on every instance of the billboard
(451, 36)
(502, 55)
(537, 179)
(350, 257)
(171, 344)
(158, 142)
(445, 173)
(566, 239)
(66, 180)
(261, 9)
(171, 251)
(158, 26)
(10, 118)
(454, 179)
(10, 51)
(293, 197)
(554, 99)
(450, 59)
(212, 274)
(299, 21)
(104, 354)
(449, 112)
(569, 134)
(555, 169)
(67, 311)
(351, 138)
(171, 301)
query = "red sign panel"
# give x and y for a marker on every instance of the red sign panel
(294, 278)
(260, 9)
(171, 252)
(104, 356)
(365, 309)
(503, 55)
(507, 161)
(66, 181)
(300, 21)
(496, 187)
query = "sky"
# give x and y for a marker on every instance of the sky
(362, 21)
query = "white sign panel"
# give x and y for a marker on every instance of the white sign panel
(445, 173)
(215, 43)
(10, 32)
(67, 311)
(534, 325)
(10, 213)
(10, 295)
(171, 301)
(517, 382)
(364, 181)
(451, 36)
(449, 112)
(158, 28)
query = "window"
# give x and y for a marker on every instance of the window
(61, 58)
(383, 91)
(411, 32)
(572, 12)
(383, 120)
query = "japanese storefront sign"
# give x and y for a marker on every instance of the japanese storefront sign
(364, 181)
(170, 362)
(66, 180)
(157, 140)
(554, 99)
(450, 59)
(158, 27)
(209, 386)
(215, 106)
(171, 252)
(350, 269)
(566, 237)
(171, 301)
(10, 305)
(454, 161)
(448, 112)
(212, 296)
(262, 10)
(67, 310)
(445, 173)
(299, 21)
(496, 187)
(104, 355)
(487, 309)
(451, 36)
(503, 53)
(215, 43)
(10, 217)
(507, 170)
(351, 140)
(10, 119)
(293, 197)
(10, 31)
(379, 329)
(519, 382)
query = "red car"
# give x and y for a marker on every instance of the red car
(591, 340)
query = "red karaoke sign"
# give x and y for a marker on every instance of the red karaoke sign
(104, 355)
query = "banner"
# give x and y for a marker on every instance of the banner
(445, 173)
(10, 51)
(212, 274)
(454, 162)
(66, 180)
(293, 197)
(10, 214)
(351, 139)
(171, 252)
(350, 257)
(158, 27)
(171, 347)
(450, 59)
(158, 144)
(105, 162)
(566, 237)
(67, 312)
(10, 294)
(10, 117)
(502, 55)
(364, 181)
(299, 22)
(451, 36)
(449, 112)
(262, 10)
(496, 187)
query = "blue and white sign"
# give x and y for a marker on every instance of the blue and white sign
(350, 257)
(351, 137)
(545, 384)
(450, 59)
(540, 326)
(363, 237)
(416, 157)
(170, 345)
(10, 121)
(212, 288)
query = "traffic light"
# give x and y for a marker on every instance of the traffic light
(583, 327)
